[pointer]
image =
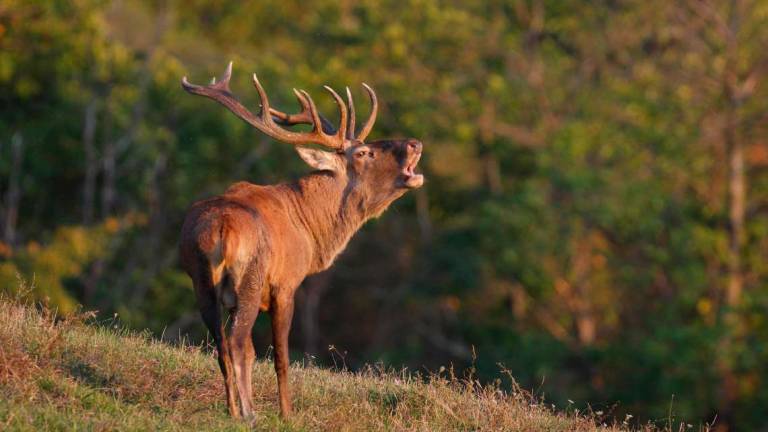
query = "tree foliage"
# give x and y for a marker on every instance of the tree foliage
(581, 223)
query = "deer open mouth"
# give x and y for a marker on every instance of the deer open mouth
(410, 179)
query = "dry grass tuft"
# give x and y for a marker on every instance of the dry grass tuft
(65, 374)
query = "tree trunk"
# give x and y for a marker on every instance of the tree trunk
(155, 199)
(736, 232)
(13, 194)
(735, 276)
(485, 136)
(91, 163)
(109, 167)
(736, 204)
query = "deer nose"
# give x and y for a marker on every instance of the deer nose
(414, 146)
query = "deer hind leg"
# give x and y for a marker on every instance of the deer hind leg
(240, 337)
(210, 310)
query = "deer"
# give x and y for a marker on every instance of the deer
(248, 249)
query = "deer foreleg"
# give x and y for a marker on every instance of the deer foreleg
(282, 314)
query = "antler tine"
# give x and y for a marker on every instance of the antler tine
(372, 117)
(312, 109)
(351, 104)
(302, 101)
(227, 75)
(342, 132)
(264, 111)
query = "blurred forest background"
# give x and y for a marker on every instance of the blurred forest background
(595, 217)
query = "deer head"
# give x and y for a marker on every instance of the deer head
(381, 170)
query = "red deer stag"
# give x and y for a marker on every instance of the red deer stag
(249, 249)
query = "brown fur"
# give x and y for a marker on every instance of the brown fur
(250, 248)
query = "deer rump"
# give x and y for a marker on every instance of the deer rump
(235, 247)
(217, 247)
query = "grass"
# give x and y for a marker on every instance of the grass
(65, 374)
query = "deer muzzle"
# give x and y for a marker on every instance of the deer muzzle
(410, 179)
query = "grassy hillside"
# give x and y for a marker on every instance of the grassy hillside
(60, 374)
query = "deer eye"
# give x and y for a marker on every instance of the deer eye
(371, 154)
(361, 153)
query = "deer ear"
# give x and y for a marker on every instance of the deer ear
(321, 160)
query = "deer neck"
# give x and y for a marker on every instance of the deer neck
(331, 211)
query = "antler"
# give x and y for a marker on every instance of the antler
(323, 132)
(372, 117)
